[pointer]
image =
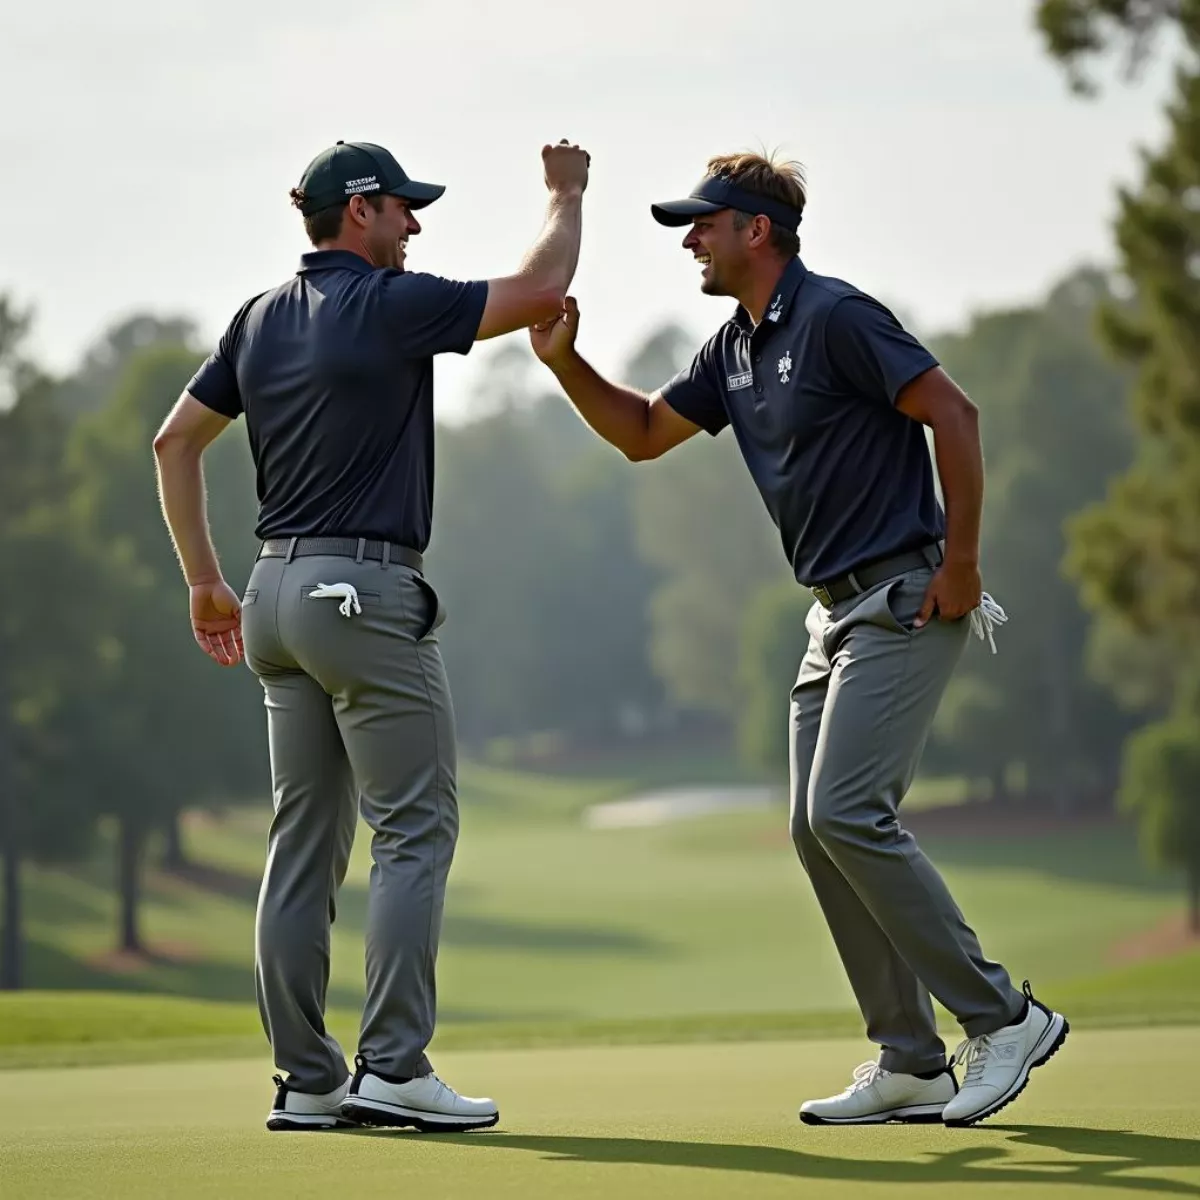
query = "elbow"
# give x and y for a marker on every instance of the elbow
(968, 419)
(640, 452)
(956, 413)
(173, 445)
(547, 303)
(968, 409)
(164, 443)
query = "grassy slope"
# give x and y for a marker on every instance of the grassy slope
(1112, 1115)
(555, 932)
(67, 1029)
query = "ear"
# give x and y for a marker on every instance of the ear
(358, 209)
(760, 230)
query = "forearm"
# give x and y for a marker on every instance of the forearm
(620, 415)
(551, 261)
(182, 496)
(959, 456)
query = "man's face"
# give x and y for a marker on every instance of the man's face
(387, 232)
(720, 249)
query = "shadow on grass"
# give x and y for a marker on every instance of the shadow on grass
(459, 928)
(1107, 856)
(1107, 1158)
(155, 973)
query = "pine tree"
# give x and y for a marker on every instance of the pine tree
(1137, 554)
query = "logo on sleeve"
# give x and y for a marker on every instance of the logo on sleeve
(785, 368)
(744, 380)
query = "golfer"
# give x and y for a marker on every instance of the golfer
(333, 371)
(829, 397)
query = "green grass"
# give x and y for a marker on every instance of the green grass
(88, 1028)
(1113, 1115)
(550, 925)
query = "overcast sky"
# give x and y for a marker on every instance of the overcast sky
(149, 147)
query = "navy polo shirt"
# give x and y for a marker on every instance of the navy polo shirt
(810, 393)
(333, 370)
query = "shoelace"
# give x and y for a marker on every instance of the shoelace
(973, 1054)
(346, 592)
(864, 1075)
(985, 618)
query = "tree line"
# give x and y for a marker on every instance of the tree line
(594, 604)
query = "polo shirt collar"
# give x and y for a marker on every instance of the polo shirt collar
(324, 260)
(780, 304)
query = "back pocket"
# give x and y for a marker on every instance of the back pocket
(364, 597)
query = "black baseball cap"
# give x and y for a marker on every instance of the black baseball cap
(714, 193)
(359, 168)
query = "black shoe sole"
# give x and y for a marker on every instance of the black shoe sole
(378, 1119)
(918, 1119)
(284, 1125)
(1056, 1045)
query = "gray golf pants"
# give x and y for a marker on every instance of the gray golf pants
(862, 707)
(358, 715)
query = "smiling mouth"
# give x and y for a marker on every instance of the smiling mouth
(705, 260)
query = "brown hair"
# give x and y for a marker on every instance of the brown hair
(779, 179)
(326, 223)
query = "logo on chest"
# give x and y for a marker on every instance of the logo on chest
(744, 380)
(784, 366)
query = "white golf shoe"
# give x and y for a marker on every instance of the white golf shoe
(298, 1111)
(425, 1103)
(998, 1064)
(876, 1096)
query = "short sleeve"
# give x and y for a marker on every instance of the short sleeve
(870, 351)
(215, 383)
(431, 315)
(695, 394)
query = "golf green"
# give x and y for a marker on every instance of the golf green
(1117, 1112)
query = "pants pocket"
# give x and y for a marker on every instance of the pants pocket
(900, 608)
(889, 608)
(364, 597)
(434, 614)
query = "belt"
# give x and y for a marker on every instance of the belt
(342, 547)
(869, 574)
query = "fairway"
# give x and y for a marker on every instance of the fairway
(549, 921)
(1116, 1113)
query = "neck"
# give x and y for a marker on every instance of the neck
(352, 244)
(760, 287)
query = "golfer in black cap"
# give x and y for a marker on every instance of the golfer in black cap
(333, 371)
(829, 399)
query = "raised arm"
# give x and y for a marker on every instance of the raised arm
(535, 293)
(640, 426)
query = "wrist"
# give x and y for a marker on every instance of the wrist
(566, 364)
(961, 558)
(566, 191)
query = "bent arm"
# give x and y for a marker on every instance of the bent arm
(178, 446)
(536, 292)
(640, 426)
(934, 399)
